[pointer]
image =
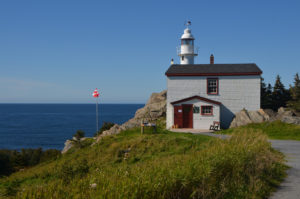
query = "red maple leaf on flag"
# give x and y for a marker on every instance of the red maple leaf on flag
(96, 93)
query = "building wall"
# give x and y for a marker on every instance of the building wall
(203, 121)
(235, 93)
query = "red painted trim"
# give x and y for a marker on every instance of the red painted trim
(178, 116)
(197, 97)
(216, 93)
(212, 74)
(191, 116)
(212, 110)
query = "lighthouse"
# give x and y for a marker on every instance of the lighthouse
(186, 51)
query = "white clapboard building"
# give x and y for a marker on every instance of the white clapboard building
(200, 94)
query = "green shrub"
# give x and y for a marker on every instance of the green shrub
(105, 126)
(12, 160)
(79, 134)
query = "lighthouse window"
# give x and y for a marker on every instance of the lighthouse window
(187, 42)
(182, 58)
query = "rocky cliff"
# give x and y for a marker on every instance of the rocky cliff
(154, 109)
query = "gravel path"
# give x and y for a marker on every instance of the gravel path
(290, 187)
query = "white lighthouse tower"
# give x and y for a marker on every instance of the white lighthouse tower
(186, 51)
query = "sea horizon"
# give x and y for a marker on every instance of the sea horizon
(49, 125)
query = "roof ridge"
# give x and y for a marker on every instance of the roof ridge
(212, 64)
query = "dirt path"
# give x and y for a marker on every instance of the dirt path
(290, 187)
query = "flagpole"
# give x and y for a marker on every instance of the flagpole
(96, 95)
(97, 115)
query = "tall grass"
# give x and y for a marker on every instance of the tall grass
(167, 165)
(274, 130)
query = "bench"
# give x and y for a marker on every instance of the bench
(145, 124)
(215, 126)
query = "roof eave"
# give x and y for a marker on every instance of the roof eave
(213, 74)
(196, 97)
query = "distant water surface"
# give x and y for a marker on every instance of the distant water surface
(49, 125)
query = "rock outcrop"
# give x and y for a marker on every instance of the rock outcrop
(291, 120)
(245, 117)
(68, 145)
(154, 109)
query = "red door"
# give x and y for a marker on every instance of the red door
(178, 116)
(187, 110)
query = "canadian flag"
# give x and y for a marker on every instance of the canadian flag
(96, 93)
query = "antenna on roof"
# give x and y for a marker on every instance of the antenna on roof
(187, 24)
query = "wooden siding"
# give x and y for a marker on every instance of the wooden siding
(235, 93)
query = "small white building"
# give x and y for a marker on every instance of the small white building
(200, 94)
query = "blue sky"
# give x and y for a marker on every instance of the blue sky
(59, 51)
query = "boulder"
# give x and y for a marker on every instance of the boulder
(245, 117)
(283, 112)
(267, 113)
(256, 116)
(291, 120)
(241, 118)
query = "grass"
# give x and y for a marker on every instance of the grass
(274, 130)
(162, 165)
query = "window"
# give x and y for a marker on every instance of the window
(187, 42)
(196, 109)
(206, 110)
(182, 58)
(212, 86)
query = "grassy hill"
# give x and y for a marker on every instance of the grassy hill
(162, 165)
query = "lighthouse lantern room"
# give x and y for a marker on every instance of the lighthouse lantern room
(186, 51)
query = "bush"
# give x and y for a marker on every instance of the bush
(105, 126)
(12, 160)
(79, 134)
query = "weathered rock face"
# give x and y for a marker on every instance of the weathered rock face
(291, 120)
(154, 109)
(245, 117)
(70, 143)
(68, 146)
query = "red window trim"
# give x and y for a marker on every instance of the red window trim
(212, 110)
(216, 93)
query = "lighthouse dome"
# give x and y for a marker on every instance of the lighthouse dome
(187, 34)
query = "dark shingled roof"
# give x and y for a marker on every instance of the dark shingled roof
(213, 69)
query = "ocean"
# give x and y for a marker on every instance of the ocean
(50, 125)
